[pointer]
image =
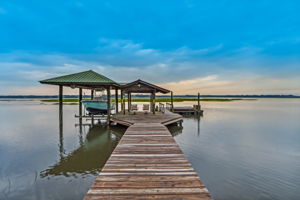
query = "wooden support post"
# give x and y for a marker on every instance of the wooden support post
(128, 102)
(172, 104)
(117, 100)
(60, 95)
(153, 102)
(80, 104)
(198, 102)
(108, 104)
(122, 102)
(92, 94)
(80, 118)
(80, 95)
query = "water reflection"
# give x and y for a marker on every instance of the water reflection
(196, 119)
(250, 148)
(61, 136)
(92, 153)
(175, 129)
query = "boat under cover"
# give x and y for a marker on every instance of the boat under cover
(96, 107)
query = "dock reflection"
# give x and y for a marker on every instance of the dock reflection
(94, 149)
(176, 129)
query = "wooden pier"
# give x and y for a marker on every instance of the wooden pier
(189, 110)
(147, 164)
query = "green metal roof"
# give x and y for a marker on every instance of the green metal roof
(82, 78)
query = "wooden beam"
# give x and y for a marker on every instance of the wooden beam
(122, 102)
(128, 101)
(154, 102)
(117, 100)
(60, 95)
(80, 103)
(151, 102)
(92, 94)
(80, 95)
(198, 102)
(172, 104)
(108, 104)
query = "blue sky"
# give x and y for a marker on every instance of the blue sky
(215, 47)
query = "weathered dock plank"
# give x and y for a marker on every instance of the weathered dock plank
(147, 164)
(129, 120)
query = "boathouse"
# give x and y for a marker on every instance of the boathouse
(93, 81)
(147, 162)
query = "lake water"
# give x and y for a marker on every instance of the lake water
(241, 149)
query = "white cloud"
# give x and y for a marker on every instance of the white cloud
(248, 85)
(36, 75)
(183, 70)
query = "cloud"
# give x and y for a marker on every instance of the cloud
(183, 70)
(248, 85)
(36, 75)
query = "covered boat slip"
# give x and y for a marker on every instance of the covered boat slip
(96, 107)
(147, 163)
(93, 81)
(85, 80)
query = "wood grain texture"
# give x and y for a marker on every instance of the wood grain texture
(147, 164)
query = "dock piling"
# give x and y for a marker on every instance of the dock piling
(108, 104)
(117, 100)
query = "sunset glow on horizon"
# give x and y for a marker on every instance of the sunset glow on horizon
(224, 47)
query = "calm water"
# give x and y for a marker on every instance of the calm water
(241, 149)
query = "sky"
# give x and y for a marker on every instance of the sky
(188, 46)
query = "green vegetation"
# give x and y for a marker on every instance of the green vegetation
(157, 100)
(180, 99)
(56, 100)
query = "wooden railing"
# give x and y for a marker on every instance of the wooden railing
(161, 107)
(197, 107)
(169, 106)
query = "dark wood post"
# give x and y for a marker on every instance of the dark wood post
(80, 95)
(151, 102)
(108, 104)
(80, 103)
(92, 94)
(122, 102)
(172, 104)
(117, 100)
(80, 118)
(154, 102)
(60, 95)
(128, 101)
(198, 101)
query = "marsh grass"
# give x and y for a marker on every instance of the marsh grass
(157, 100)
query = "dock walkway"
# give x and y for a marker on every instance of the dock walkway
(147, 164)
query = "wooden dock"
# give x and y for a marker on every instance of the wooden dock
(189, 110)
(147, 164)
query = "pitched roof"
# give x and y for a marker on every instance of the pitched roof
(140, 86)
(86, 78)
